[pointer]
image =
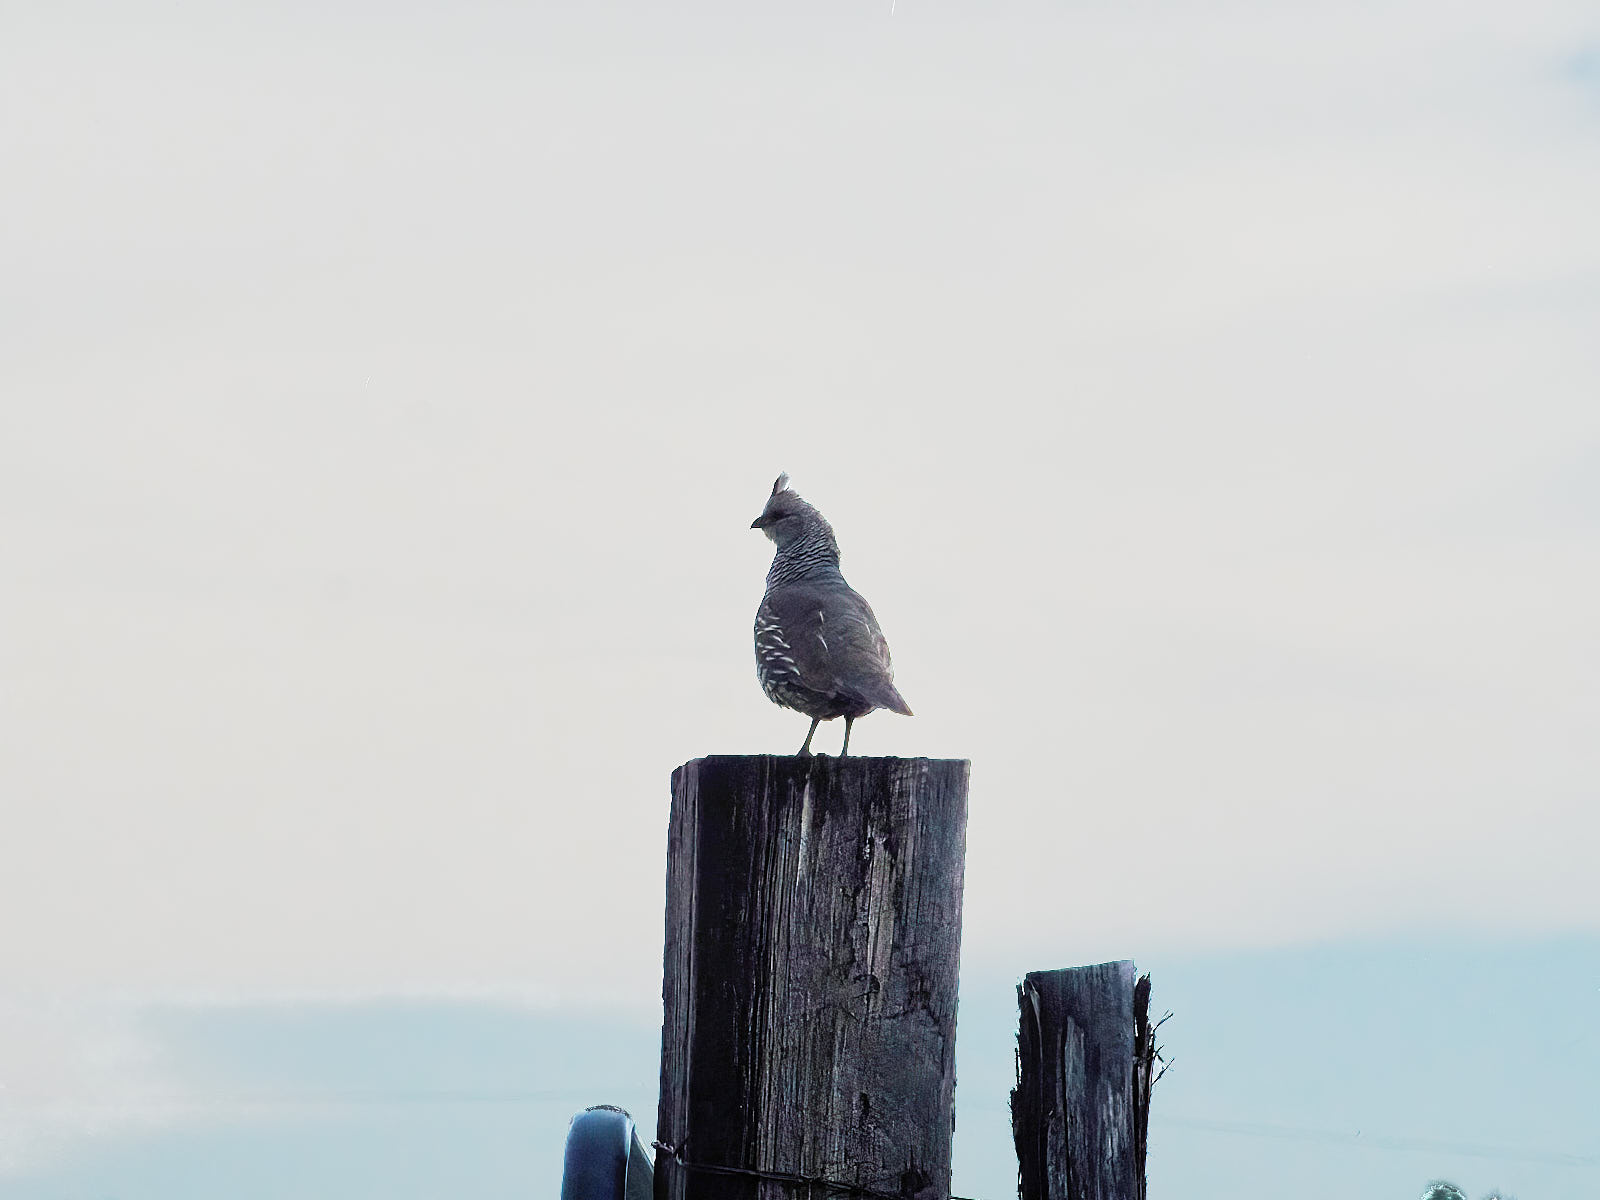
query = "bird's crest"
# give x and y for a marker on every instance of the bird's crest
(786, 503)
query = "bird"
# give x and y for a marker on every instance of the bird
(819, 650)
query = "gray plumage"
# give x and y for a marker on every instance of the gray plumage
(819, 650)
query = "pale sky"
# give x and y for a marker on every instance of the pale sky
(1204, 396)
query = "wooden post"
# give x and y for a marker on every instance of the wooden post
(1081, 1107)
(809, 992)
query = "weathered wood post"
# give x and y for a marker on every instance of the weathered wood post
(1081, 1108)
(812, 948)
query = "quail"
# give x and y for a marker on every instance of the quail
(819, 650)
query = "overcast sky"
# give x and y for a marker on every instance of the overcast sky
(1204, 396)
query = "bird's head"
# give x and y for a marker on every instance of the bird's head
(786, 517)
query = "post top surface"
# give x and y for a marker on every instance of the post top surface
(825, 758)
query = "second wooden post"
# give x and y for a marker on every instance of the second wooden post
(812, 946)
(1081, 1109)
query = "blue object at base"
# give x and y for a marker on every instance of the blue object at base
(604, 1158)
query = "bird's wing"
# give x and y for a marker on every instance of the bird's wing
(870, 673)
(834, 641)
(793, 621)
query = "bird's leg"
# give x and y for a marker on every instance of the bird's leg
(848, 721)
(805, 746)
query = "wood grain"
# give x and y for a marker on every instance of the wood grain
(1080, 1110)
(813, 941)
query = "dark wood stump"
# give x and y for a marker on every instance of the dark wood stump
(1081, 1107)
(812, 947)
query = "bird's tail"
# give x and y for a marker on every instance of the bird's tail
(887, 697)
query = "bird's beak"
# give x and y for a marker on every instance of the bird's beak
(758, 523)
